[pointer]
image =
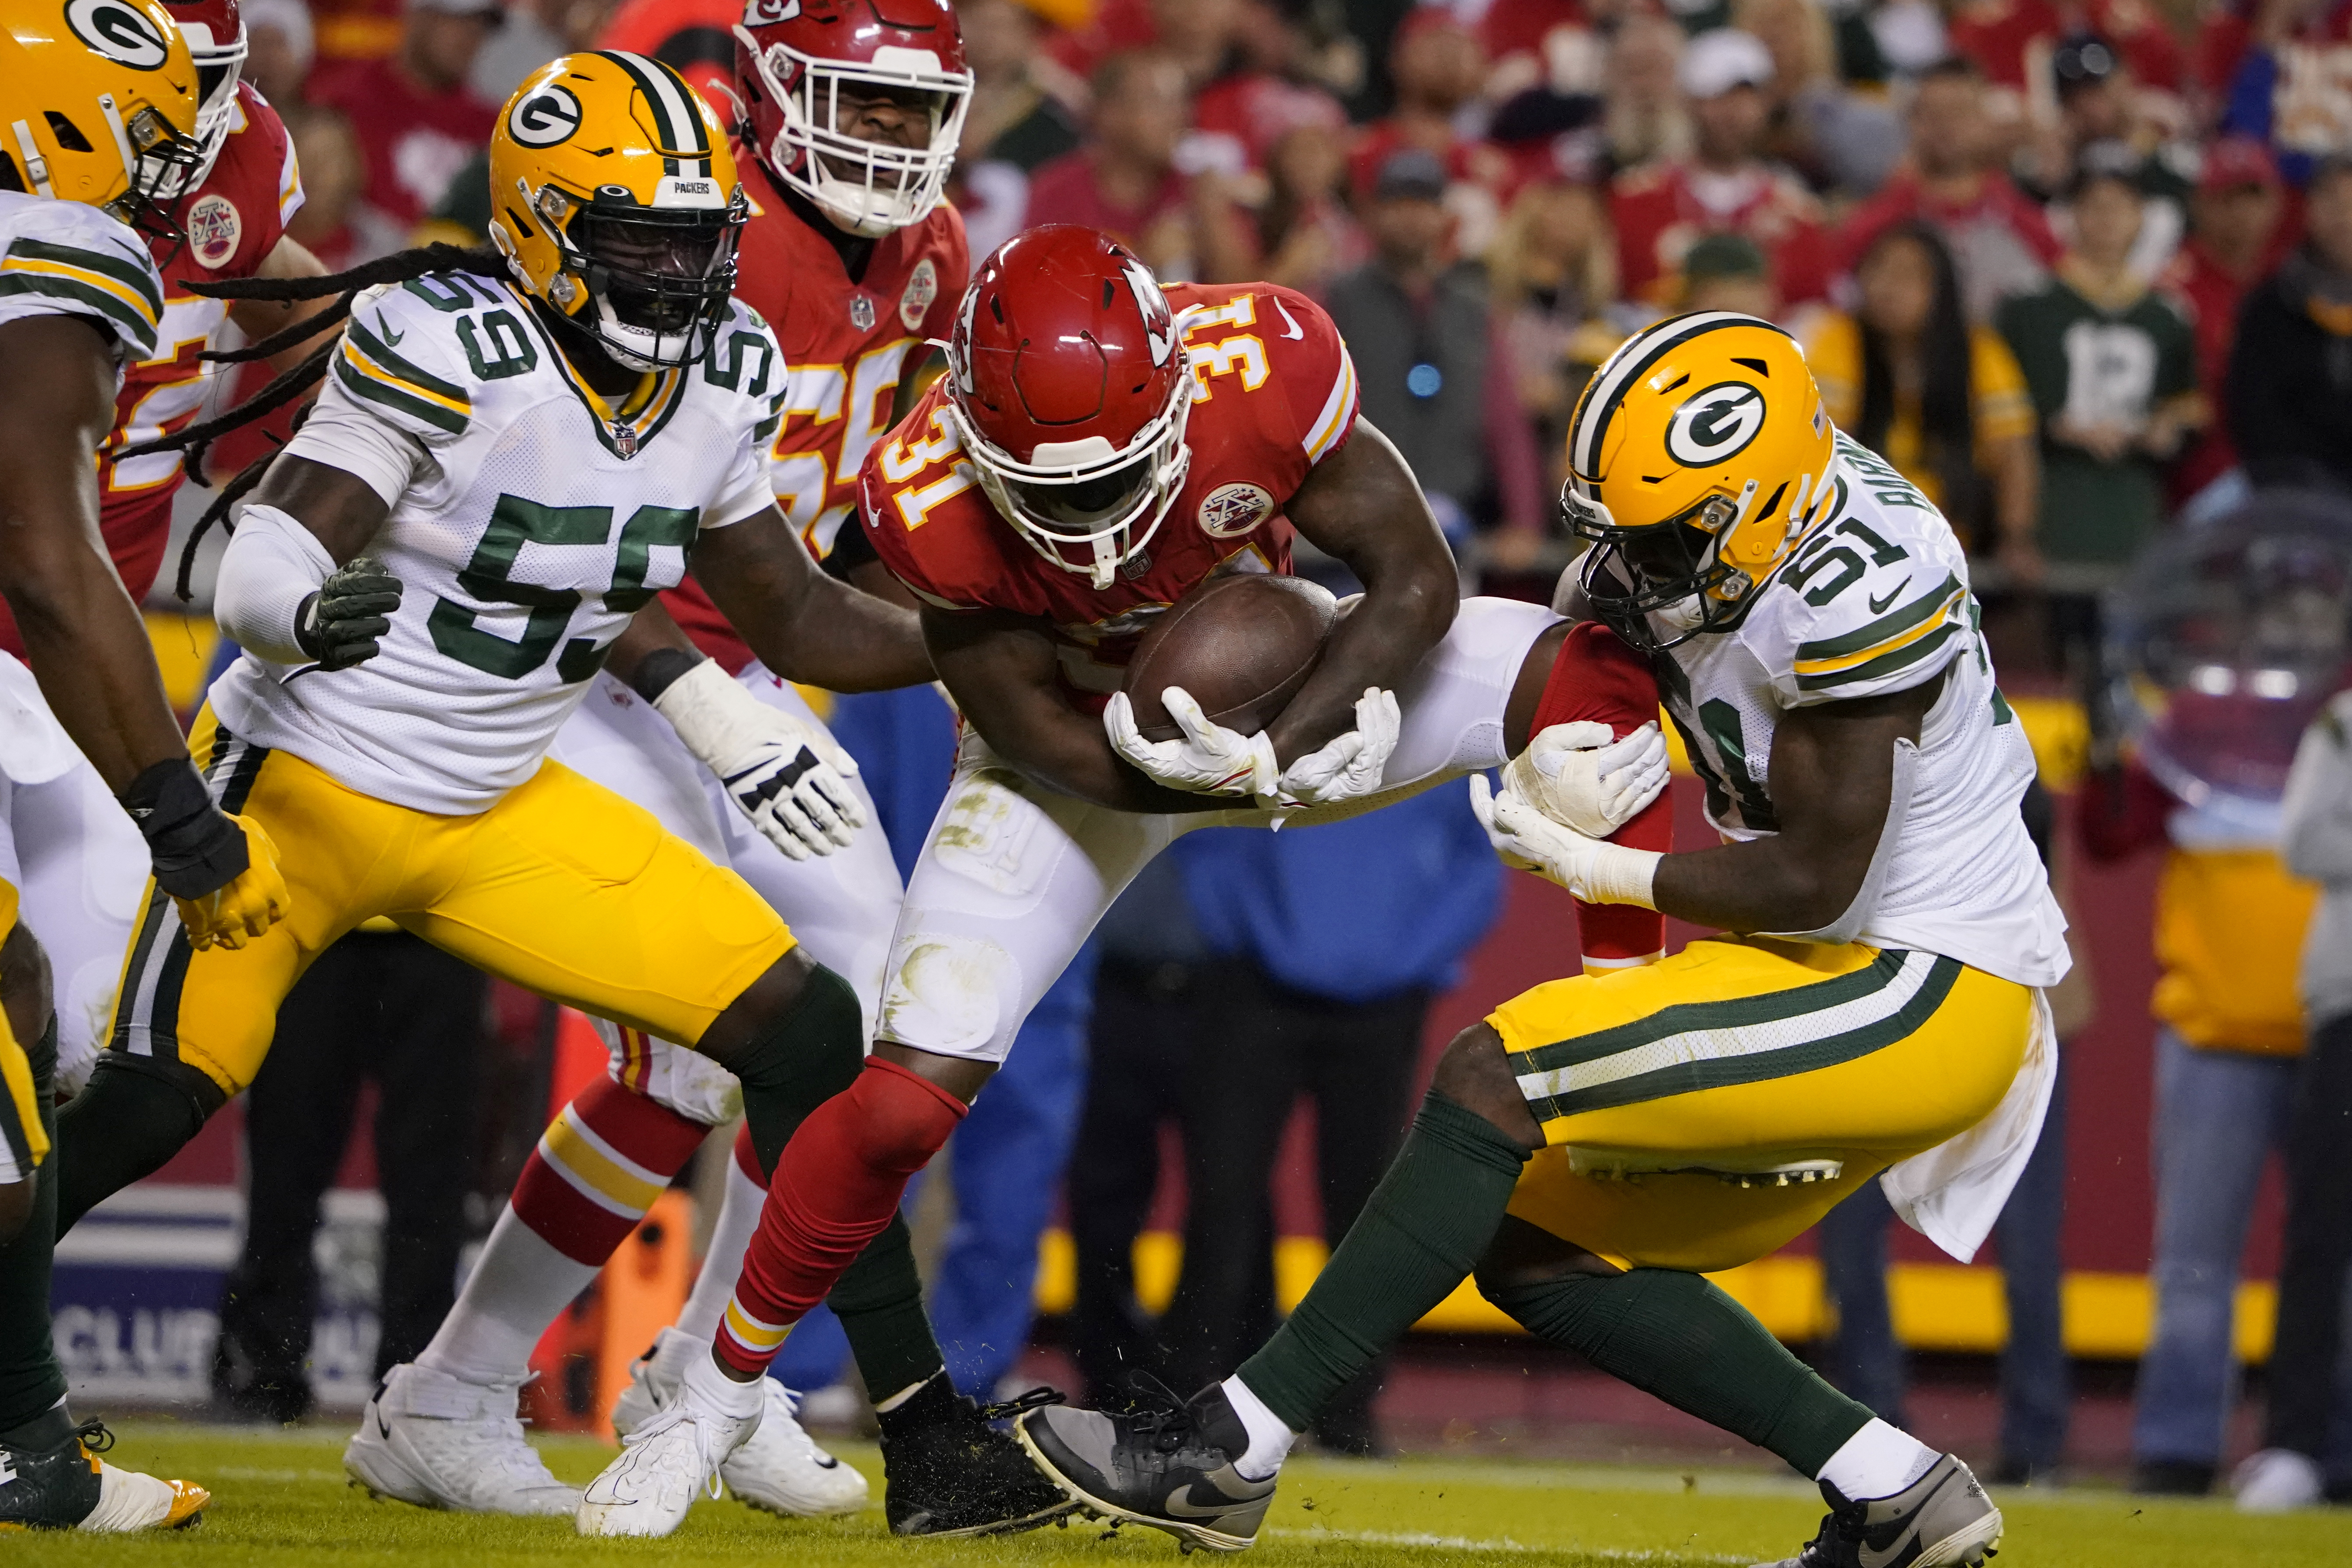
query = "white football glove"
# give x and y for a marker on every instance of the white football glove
(1209, 760)
(1348, 765)
(1597, 872)
(1575, 774)
(790, 778)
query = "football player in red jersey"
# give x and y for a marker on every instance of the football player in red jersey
(852, 114)
(231, 208)
(1096, 449)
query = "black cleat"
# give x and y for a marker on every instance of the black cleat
(1943, 1518)
(1168, 1464)
(947, 1472)
(64, 1484)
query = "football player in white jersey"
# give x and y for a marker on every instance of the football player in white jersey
(1596, 1145)
(896, 85)
(102, 96)
(510, 456)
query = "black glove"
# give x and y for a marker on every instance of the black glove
(344, 622)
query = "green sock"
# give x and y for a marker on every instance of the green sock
(879, 1300)
(1677, 1336)
(805, 1059)
(134, 1114)
(31, 1382)
(1426, 1228)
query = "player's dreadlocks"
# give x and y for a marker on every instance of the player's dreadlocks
(401, 266)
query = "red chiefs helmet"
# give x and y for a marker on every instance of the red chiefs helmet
(1071, 390)
(793, 59)
(216, 35)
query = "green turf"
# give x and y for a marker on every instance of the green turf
(280, 1500)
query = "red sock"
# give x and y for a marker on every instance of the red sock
(1598, 677)
(835, 1186)
(599, 1167)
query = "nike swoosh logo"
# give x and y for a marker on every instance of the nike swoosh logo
(1180, 1505)
(1878, 607)
(1293, 331)
(392, 337)
(1895, 1550)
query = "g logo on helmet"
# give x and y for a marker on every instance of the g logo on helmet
(1715, 425)
(120, 32)
(544, 118)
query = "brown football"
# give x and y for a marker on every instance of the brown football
(1243, 646)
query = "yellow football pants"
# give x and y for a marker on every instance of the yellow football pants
(563, 888)
(23, 1144)
(1661, 1090)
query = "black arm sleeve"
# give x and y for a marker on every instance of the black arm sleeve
(851, 549)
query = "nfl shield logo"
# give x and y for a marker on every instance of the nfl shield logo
(861, 313)
(624, 439)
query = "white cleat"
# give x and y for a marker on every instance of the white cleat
(779, 1468)
(128, 1500)
(2278, 1480)
(669, 1461)
(437, 1441)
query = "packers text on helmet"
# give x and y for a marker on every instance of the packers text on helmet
(615, 201)
(1696, 456)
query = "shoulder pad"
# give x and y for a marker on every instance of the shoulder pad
(1877, 600)
(65, 258)
(415, 351)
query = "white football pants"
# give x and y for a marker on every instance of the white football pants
(78, 863)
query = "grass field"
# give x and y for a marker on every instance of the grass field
(282, 1500)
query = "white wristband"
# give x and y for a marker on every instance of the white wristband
(715, 717)
(1622, 876)
(272, 565)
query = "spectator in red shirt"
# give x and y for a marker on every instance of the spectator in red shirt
(1126, 183)
(2233, 242)
(417, 123)
(1724, 188)
(2000, 239)
(1438, 69)
(1270, 93)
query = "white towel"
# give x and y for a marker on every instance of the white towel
(1953, 1193)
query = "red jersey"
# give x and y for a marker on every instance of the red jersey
(1659, 216)
(234, 221)
(846, 346)
(1275, 395)
(414, 142)
(1064, 191)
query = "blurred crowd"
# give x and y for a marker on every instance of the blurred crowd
(2018, 237)
(2080, 269)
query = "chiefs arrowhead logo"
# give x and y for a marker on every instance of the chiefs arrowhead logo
(1158, 321)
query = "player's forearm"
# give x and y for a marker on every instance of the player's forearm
(89, 649)
(844, 640)
(1764, 885)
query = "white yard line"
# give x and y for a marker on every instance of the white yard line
(1469, 1543)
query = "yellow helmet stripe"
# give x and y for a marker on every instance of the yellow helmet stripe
(1626, 367)
(677, 123)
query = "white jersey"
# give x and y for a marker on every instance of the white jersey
(63, 258)
(1874, 601)
(529, 522)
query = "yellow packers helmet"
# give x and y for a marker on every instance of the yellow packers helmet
(614, 199)
(1696, 455)
(98, 103)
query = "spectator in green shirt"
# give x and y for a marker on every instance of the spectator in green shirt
(2113, 369)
